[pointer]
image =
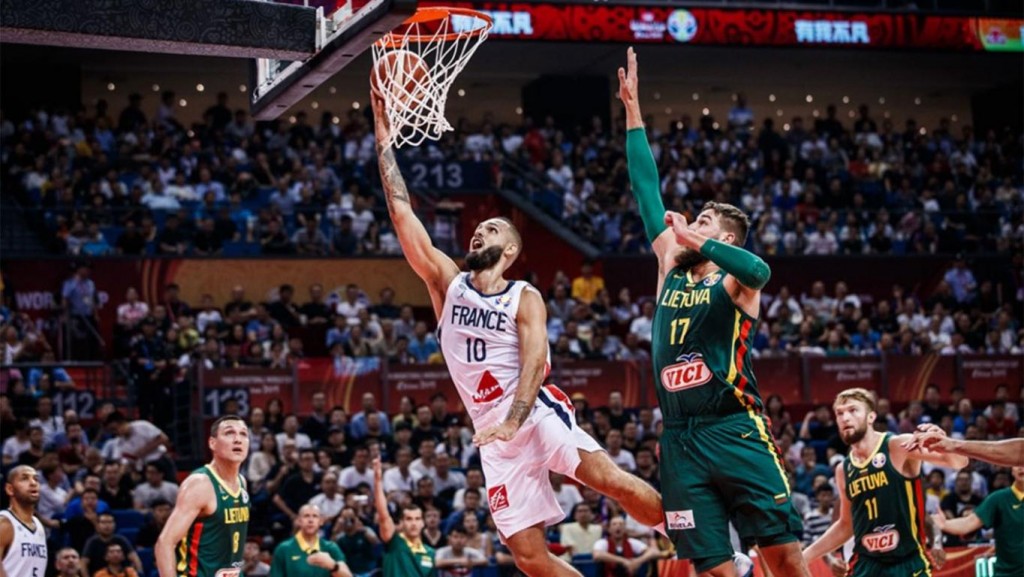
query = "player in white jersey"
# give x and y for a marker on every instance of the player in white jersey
(22, 535)
(494, 339)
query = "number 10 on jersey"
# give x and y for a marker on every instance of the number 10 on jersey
(476, 350)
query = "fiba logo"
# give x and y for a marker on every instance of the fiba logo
(682, 25)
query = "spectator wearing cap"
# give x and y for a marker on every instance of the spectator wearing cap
(307, 554)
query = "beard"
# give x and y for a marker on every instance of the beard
(484, 258)
(687, 258)
(853, 437)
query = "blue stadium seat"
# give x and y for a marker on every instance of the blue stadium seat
(130, 534)
(128, 519)
(588, 568)
(487, 571)
(148, 561)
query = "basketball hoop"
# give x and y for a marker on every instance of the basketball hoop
(415, 64)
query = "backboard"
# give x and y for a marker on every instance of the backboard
(345, 29)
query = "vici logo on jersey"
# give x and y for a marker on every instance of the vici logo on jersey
(883, 539)
(689, 372)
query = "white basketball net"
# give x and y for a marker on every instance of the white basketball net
(415, 106)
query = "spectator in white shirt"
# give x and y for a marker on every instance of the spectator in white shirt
(822, 241)
(399, 479)
(358, 472)
(330, 501)
(153, 488)
(643, 325)
(52, 425)
(621, 457)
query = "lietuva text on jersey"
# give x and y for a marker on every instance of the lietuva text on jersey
(479, 318)
(234, 515)
(677, 299)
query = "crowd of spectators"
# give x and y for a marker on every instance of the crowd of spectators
(112, 483)
(138, 185)
(821, 187)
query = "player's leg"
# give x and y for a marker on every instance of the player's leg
(639, 499)
(752, 478)
(530, 549)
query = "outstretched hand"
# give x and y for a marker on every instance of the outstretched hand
(928, 437)
(628, 91)
(677, 222)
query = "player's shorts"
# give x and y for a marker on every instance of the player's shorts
(909, 566)
(519, 491)
(720, 469)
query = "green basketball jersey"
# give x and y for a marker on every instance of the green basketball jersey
(702, 349)
(1003, 511)
(888, 508)
(402, 559)
(213, 545)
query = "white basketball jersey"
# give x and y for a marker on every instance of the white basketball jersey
(480, 342)
(27, 553)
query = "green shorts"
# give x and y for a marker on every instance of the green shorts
(909, 566)
(720, 469)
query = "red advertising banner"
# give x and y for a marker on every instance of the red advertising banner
(598, 379)
(981, 375)
(909, 375)
(780, 377)
(716, 26)
(419, 382)
(830, 375)
(343, 381)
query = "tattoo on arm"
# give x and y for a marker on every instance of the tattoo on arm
(394, 184)
(518, 412)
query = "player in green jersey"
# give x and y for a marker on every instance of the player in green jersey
(405, 553)
(881, 497)
(205, 534)
(1003, 511)
(719, 461)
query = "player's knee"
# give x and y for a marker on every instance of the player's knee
(534, 562)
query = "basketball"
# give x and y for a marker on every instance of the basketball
(400, 75)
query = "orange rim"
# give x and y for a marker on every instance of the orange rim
(437, 14)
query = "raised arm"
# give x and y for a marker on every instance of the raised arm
(902, 455)
(643, 171)
(195, 495)
(384, 520)
(533, 355)
(433, 266)
(840, 531)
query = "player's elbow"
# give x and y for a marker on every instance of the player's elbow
(760, 274)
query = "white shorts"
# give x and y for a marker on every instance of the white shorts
(519, 491)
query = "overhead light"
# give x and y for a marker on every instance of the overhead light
(706, 111)
(519, 110)
(809, 98)
(314, 105)
(242, 88)
(111, 86)
(200, 88)
(156, 88)
(461, 92)
(183, 103)
(778, 112)
(846, 100)
(785, 127)
(696, 96)
(771, 98)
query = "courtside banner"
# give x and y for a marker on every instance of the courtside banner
(729, 27)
